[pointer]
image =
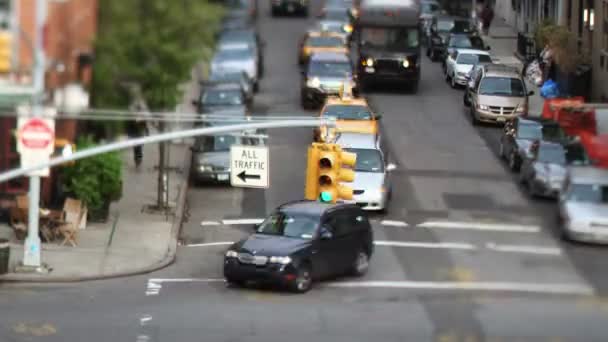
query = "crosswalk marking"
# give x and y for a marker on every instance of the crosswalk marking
(391, 223)
(243, 221)
(541, 250)
(437, 245)
(480, 226)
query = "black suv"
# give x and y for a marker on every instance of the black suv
(441, 28)
(300, 242)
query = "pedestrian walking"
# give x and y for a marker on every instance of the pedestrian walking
(137, 128)
(487, 15)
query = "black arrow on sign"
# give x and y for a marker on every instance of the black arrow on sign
(244, 176)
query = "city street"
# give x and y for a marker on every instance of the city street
(462, 253)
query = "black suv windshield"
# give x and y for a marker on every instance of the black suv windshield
(502, 86)
(348, 112)
(217, 97)
(294, 225)
(328, 68)
(395, 39)
(368, 160)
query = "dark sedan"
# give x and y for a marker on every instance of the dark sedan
(520, 133)
(215, 97)
(440, 30)
(543, 169)
(300, 242)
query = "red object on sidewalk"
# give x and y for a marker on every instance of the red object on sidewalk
(574, 121)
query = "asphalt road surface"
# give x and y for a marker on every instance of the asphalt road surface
(462, 254)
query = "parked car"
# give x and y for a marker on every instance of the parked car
(324, 75)
(462, 41)
(236, 20)
(249, 36)
(301, 242)
(238, 77)
(237, 60)
(211, 155)
(244, 8)
(497, 94)
(520, 133)
(459, 63)
(543, 169)
(289, 7)
(441, 28)
(215, 97)
(583, 205)
(314, 42)
(428, 10)
(372, 187)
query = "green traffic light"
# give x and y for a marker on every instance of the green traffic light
(325, 196)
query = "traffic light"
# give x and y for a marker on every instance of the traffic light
(6, 43)
(325, 170)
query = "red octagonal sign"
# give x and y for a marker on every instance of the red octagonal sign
(36, 134)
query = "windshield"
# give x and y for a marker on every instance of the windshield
(430, 8)
(216, 97)
(331, 26)
(232, 77)
(346, 112)
(288, 224)
(529, 131)
(219, 143)
(453, 26)
(331, 69)
(472, 59)
(591, 193)
(338, 14)
(397, 39)
(502, 86)
(466, 42)
(552, 155)
(325, 42)
(234, 54)
(577, 155)
(368, 160)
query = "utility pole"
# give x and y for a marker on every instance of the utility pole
(31, 256)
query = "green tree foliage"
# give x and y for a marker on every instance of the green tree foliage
(154, 43)
(95, 180)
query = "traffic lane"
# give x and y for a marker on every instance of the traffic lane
(587, 259)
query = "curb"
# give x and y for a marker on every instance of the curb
(168, 259)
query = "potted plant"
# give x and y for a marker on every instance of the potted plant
(96, 181)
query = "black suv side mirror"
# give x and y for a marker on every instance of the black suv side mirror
(326, 233)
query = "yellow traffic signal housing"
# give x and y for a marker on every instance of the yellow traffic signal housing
(6, 47)
(326, 169)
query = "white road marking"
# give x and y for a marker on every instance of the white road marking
(210, 223)
(209, 244)
(391, 223)
(529, 249)
(243, 221)
(186, 280)
(145, 319)
(564, 289)
(480, 226)
(438, 245)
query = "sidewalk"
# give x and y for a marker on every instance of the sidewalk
(143, 241)
(502, 39)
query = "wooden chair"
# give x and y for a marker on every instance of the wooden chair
(73, 213)
(19, 216)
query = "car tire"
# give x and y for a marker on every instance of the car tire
(360, 264)
(453, 82)
(235, 283)
(501, 151)
(303, 281)
(465, 100)
(474, 120)
(428, 52)
(513, 162)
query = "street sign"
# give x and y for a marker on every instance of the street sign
(249, 166)
(35, 140)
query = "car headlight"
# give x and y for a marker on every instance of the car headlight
(314, 82)
(521, 108)
(283, 260)
(405, 63)
(369, 62)
(205, 168)
(483, 107)
(231, 254)
(348, 28)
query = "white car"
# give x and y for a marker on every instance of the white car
(459, 63)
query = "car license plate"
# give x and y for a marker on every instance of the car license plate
(290, 8)
(222, 177)
(370, 70)
(500, 119)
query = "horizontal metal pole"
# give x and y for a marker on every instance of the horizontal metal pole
(121, 145)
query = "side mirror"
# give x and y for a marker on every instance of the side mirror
(326, 234)
(378, 116)
(488, 48)
(391, 167)
(196, 103)
(531, 92)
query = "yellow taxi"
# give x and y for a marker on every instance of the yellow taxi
(352, 115)
(317, 41)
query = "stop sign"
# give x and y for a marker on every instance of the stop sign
(36, 134)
